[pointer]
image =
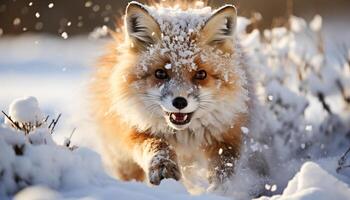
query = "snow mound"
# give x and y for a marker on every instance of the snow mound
(33, 158)
(313, 182)
(25, 110)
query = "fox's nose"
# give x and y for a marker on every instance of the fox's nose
(179, 102)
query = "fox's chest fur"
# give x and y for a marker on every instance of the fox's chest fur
(173, 89)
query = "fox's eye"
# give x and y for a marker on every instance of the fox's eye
(161, 74)
(200, 75)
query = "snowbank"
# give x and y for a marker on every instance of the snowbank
(168, 189)
(25, 110)
(313, 182)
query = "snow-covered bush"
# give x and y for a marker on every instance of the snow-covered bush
(303, 115)
(29, 156)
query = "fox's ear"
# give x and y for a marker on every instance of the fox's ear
(219, 29)
(142, 29)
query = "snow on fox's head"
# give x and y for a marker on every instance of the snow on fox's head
(179, 69)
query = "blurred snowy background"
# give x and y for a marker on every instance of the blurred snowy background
(48, 49)
(83, 16)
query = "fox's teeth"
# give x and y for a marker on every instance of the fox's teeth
(185, 118)
(173, 116)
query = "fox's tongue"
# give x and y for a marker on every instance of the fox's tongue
(180, 117)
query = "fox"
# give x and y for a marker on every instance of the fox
(172, 89)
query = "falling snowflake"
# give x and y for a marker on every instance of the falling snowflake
(50, 5)
(64, 35)
(17, 21)
(88, 4)
(96, 8)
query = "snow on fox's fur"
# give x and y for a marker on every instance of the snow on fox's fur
(173, 90)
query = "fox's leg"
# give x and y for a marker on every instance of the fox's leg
(221, 158)
(128, 170)
(121, 163)
(155, 156)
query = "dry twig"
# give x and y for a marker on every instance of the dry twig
(54, 123)
(342, 161)
(15, 124)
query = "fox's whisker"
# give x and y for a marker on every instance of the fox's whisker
(152, 106)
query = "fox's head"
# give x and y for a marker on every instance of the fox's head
(179, 69)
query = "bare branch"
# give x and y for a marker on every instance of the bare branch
(70, 138)
(342, 161)
(47, 118)
(54, 123)
(15, 124)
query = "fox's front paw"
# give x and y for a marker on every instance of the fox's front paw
(163, 168)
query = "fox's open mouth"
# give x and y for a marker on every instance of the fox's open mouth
(179, 118)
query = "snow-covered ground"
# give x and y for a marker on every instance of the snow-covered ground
(57, 72)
